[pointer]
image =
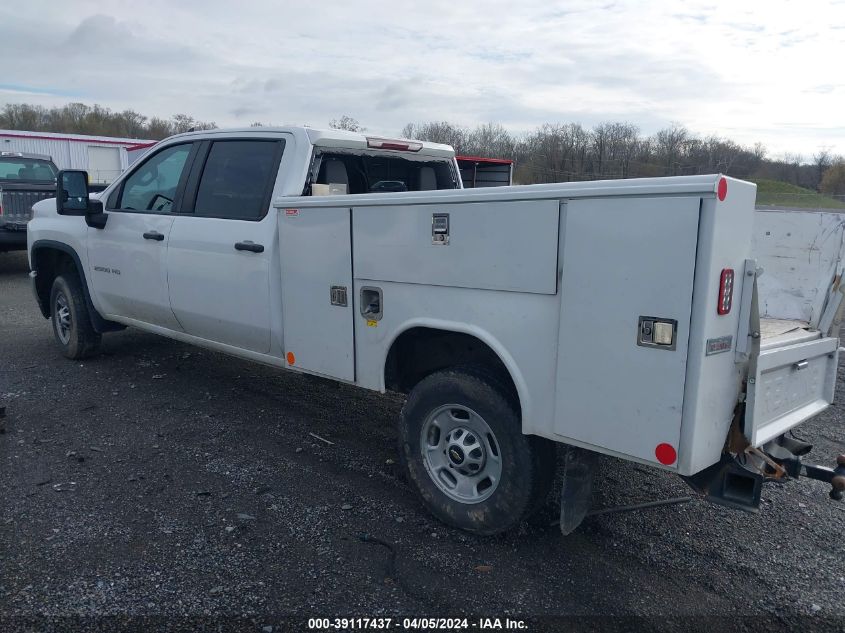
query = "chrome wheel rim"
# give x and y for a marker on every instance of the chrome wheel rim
(61, 317)
(461, 453)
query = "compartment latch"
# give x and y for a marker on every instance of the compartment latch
(657, 332)
(440, 229)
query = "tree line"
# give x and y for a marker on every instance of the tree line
(79, 118)
(553, 152)
(570, 151)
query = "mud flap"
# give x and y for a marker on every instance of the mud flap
(576, 493)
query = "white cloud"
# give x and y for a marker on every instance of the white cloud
(755, 71)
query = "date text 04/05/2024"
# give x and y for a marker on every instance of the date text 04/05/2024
(409, 624)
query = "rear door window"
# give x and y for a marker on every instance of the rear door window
(237, 179)
(385, 174)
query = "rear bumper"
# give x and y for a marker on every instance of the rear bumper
(736, 480)
(12, 240)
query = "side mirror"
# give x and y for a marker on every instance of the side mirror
(72, 192)
(72, 198)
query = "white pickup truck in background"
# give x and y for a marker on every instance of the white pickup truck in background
(626, 318)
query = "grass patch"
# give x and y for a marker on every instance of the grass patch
(783, 194)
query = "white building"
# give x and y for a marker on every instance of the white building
(103, 157)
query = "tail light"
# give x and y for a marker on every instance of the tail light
(726, 291)
(399, 145)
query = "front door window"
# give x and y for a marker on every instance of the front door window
(152, 187)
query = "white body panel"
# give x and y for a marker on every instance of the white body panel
(799, 252)
(316, 255)
(556, 295)
(785, 393)
(606, 287)
(128, 273)
(516, 326)
(487, 248)
(216, 292)
(714, 381)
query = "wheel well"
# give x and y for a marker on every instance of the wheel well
(421, 351)
(50, 263)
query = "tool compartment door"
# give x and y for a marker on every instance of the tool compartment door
(623, 259)
(317, 303)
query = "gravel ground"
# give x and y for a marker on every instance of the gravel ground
(163, 480)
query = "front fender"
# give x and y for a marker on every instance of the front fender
(99, 324)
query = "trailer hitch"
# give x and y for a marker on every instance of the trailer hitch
(730, 483)
(794, 467)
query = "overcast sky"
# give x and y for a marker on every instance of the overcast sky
(769, 71)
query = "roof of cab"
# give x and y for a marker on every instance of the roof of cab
(340, 139)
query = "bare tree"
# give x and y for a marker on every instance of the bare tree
(438, 132)
(346, 123)
(822, 160)
(184, 123)
(833, 181)
(670, 145)
(491, 140)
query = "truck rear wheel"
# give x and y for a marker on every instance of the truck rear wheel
(71, 321)
(463, 449)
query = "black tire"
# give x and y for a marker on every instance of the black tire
(527, 462)
(70, 319)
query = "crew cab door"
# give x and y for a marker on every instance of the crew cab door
(127, 258)
(221, 244)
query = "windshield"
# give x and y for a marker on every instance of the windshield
(27, 169)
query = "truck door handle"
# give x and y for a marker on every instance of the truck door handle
(153, 235)
(249, 246)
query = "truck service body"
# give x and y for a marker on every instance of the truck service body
(613, 317)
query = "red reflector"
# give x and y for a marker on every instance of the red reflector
(722, 190)
(726, 291)
(665, 454)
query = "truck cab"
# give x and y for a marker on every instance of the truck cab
(191, 221)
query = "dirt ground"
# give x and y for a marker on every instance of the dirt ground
(163, 480)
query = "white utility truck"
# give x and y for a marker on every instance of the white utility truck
(622, 318)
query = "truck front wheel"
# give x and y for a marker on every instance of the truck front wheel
(71, 322)
(463, 449)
